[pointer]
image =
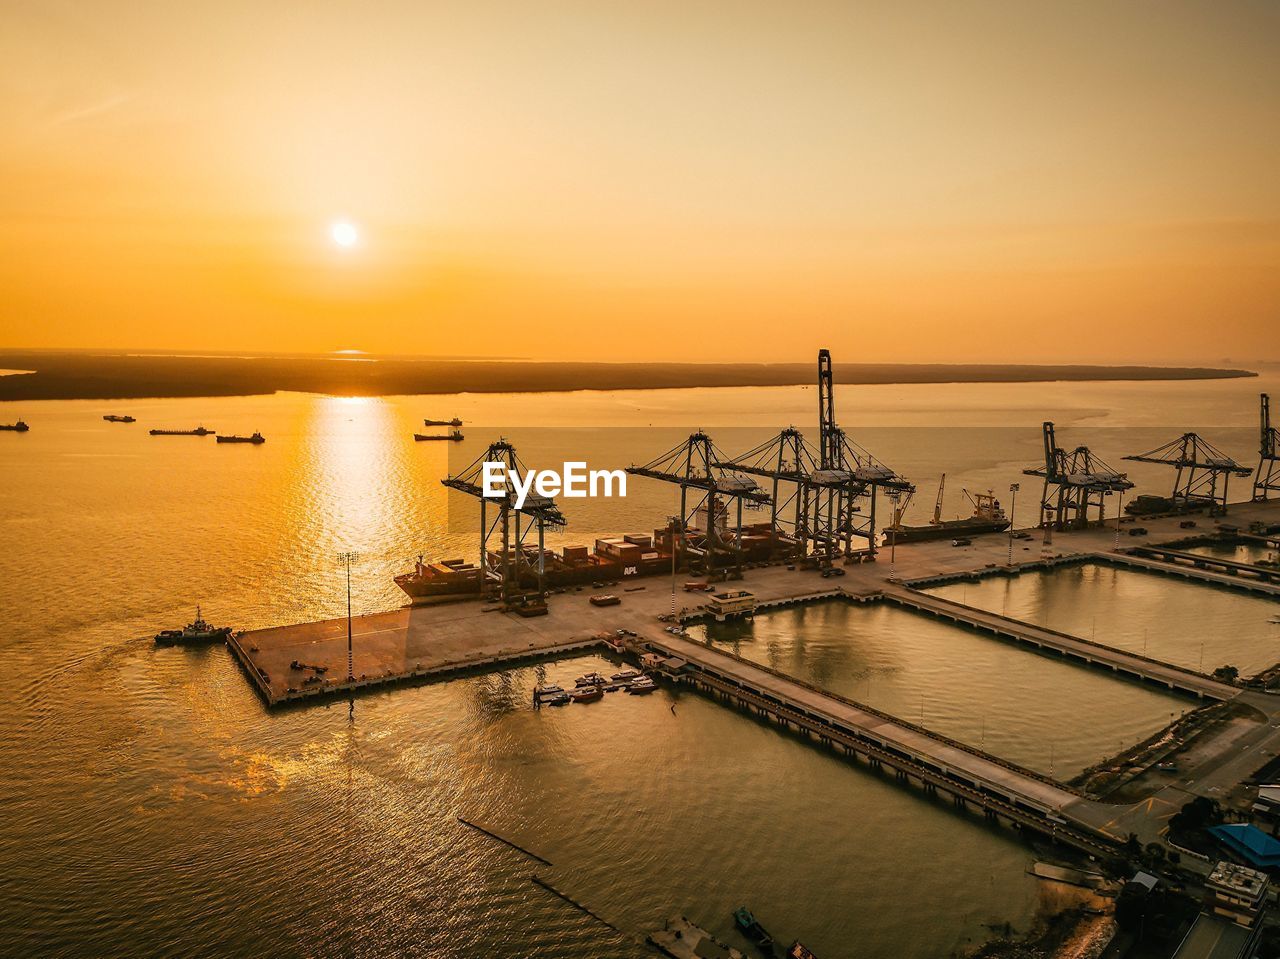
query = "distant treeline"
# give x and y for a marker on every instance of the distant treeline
(71, 375)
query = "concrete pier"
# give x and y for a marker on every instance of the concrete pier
(1074, 648)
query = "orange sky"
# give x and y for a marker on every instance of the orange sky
(744, 181)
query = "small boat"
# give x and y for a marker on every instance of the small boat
(198, 431)
(587, 694)
(194, 632)
(642, 686)
(799, 950)
(18, 427)
(590, 679)
(255, 438)
(625, 676)
(605, 599)
(561, 700)
(751, 927)
(114, 418)
(547, 692)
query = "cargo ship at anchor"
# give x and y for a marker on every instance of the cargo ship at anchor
(198, 431)
(988, 517)
(256, 438)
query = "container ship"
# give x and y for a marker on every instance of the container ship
(613, 558)
(988, 517)
(198, 431)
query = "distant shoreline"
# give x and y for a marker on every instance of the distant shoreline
(85, 376)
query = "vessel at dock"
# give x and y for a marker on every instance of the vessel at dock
(613, 559)
(116, 418)
(18, 427)
(988, 517)
(255, 439)
(197, 631)
(198, 431)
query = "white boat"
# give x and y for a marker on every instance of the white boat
(590, 679)
(626, 676)
(641, 686)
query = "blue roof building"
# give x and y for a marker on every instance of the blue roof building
(1249, 843)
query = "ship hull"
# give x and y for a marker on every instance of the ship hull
(945, 530)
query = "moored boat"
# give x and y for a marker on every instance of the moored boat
(197, 631)
(590, 679)
(587, 694)
(751, 927)
(605, 599)
(638, 687)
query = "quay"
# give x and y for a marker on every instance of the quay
(425, 643)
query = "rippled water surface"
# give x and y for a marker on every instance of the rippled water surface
(152, 805)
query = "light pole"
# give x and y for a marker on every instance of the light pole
(1013, 509)
(894, 496)
(348, 558)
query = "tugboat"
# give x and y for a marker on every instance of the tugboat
(195, 632)
(198, 431)
(18, 427)
(114, 418)
(255, 438)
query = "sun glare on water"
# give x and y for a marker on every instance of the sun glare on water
(344, 234)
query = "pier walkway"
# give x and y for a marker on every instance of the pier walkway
(1230, 580)
(1071, 647)
(1176, 557)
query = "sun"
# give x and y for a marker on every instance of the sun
(344, 233)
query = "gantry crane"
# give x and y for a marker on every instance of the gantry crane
(817, 496)
(1267, 480)
(694, 466)
(1200, 466)
(835, 511)
(510, 571)
(1075, 483)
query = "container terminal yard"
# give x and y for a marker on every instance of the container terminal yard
(821, 544)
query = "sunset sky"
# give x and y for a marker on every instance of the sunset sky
(661, 180)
